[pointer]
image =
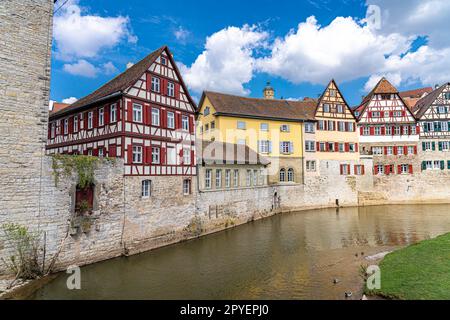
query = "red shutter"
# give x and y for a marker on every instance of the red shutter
(403, 113)
(361, 129)
(356, 147)
(95, 112)
(342, 169)
(95, 152)
(369, 114)
(192, 158)
(130, 111)
(181, 154)
(418, 130)
(372, 131)
(415, 149)
(363, 170)
(177, 121)
(395, 151)
(130, 153)
(399, 169)
(387, 170)
(346, 126)
(106, 111)
(119, 112)
(163, 87)
(191, 124)
(163, 155)
(163, 118)
(112, 152)
(405, 150)
(177, 91)
(318, 146)
(147, 114)
(355, 169)
(49, 130)
(148, 81)
(149, 154)
(86, 120)
(347, 147)
(385, 150)
(383, 131)
(410, 169)
(382, 114)
(325, 125)
(336, 147)
(85, 152)
(391, 114)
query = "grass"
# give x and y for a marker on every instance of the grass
(418, 272)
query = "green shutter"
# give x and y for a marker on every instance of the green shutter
(440, 146)
(448, 164)
(434, 146)
(424, 146)
(442, 165)
(424, 165)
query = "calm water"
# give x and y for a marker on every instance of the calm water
(290, 256)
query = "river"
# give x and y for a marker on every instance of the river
(289, 256)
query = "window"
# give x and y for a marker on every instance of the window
(155, 84)
(385, 97)
(171, 89)
(400, 151)
(352, 147)
(377, 150)
(155, 116)
(341, 126)
(137, 113)
(321, 125)
(404, 169)
(441, 109)
(310, 146)
(146, 188)
(390, 151)
(89, 152)
(322, 147)
(397, 114)
(379, 169)
(411, 150)
(311, 166)
(137, 154)
(101, 152)
(428, 127)
(264, 127)
(186, 156)
(213, 125)
(66, 126)
(249, 178)
(241, 125)
(227, 178)
(186, 187)
(340, 108)
(389, 131)
(170, 120)
(255, 177)
(53, 130)
(366, 131)
(427, 146)
(331, 147)
(171, 156)
(444, 126)
(113, 113)
(332, 93)
(218, 179)
(185, 123)
(345, 169)
(284, 128)
(262, 177)
(341, 147)
(206, 111)
(309, 127)
(90, 120)
(290, 175)
(156, 155)
(376, 114)
(397, 130)
(326, 108)
(264, 146)
(236, 178)
(436, 165)
(406, 130)
(208, 174)
(351, 127)
(330, 125)
(282, 175)
(285, 147)
(447, 95)
(75, 124)
(163, 61)
(206, 127)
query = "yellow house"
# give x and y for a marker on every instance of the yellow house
(337, 137)
(273, 128)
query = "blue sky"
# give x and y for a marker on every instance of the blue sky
(297, 45)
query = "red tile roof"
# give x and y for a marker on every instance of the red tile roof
(57, 106)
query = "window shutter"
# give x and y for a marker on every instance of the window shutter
(85, 152)
(415, 149)
(434, 146)
(383, 131)
(424, 146)
(281, 147)
(147, 114)
(119, 112)
(86, 120)
(440, 146)
(387, 170)
(112, 152)
(130, 111)
(95, 120)
(106, 114)
(347, 147)
(163, 84)
(403, 113)
(395, 151)
(424, 165)
(163, 118)
(410, 169)
(391, 114)
(318, 146)
(442, 165)
(148, 81)
(291, 147)
(355, 169)
(361, 130)
(178, 121)
(405, 150)
(181, 154)
(399, 169)
(349, 170)
(356, 147)
(448, 164)
(382, 114)
(163, 155)
(342, 169)
(369, 114)
(193, 162)
(372, 131)
(177, 91)
(49, 130)
(385, 150)
(363, 169)
(130, 154)
(270, 146)
(191, 124)
(148, 152)
(95, 152)
(336, 147)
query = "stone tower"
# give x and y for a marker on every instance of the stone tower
(26, 33)
(269, 92)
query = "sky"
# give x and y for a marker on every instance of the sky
(236, 46)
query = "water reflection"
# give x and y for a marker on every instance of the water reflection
(290, 256)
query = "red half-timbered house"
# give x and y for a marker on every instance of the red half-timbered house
(145, 116)
(388, 130)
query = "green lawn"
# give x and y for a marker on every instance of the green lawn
(421, 271)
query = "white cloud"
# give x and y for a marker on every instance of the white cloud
(109, 68)
(344, 49)
(81, 68)
(227, 63)
(70, 100)
(84, 36)
(181, 34)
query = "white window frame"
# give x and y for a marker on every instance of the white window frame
(264, 146)
(282, 175)
(236, 178)
(171, 156)
(185, 123)
(249, 178)
(377, 151)
(264, 127)
(187, 187)
(137, 113)
(101, 117)
(218, 178)
(137, 154)
(291, 175)
(156, 155)
(113, 113)
(171, 89)
(170, 120)
(155, 117)
(285, 128)
(227, 178)
(309, 127)
(90, 120)
(146, 189)
(156, 84)
(241, 125)
(208, 178)
(66, 126)
(187, 156)
(75, 124)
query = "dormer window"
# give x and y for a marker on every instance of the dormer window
(284, 128)
(206, 111)
(386, 97)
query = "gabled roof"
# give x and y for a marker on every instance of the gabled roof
(340, 93)
(57, 106)
(416, 93)
(383, 87)
(423, 104)
(217, 152)
(230, 105)
(116, 86)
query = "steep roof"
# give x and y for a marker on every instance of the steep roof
(382, 87)
(340, 93)
(231, 105)
(416, 93)
(124, 80)
(58, 106)
(423, 104)
(217, 152)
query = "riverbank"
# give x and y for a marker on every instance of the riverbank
(417, 272)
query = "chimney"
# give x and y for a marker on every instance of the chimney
(129, 65)
(269, 92)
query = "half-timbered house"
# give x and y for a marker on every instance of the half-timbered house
(433, 114)
(388, 130)
(145, 115)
